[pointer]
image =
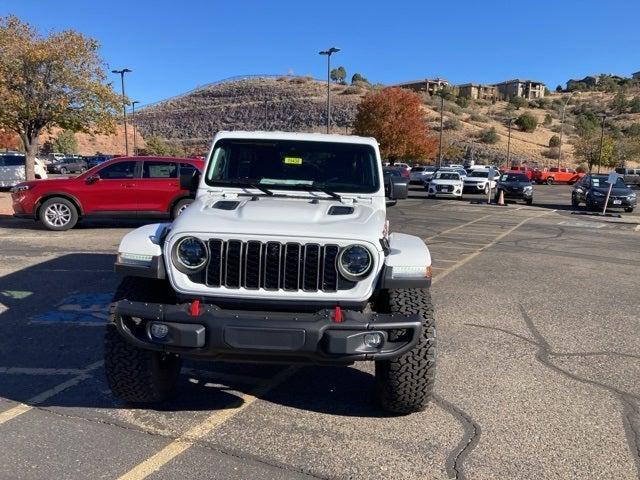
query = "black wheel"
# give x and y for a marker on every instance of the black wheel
(589, 204)
(529, 201)
(134, 374)
(180, 207)
(550, 181)
(628, 209)
(405, 384)
(58, 214)
(63, 171)
(574, 202)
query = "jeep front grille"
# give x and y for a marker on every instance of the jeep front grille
(274, 266)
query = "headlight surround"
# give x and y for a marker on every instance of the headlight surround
(631, 196)
(527, 188)
(20, 188)
(354, 262)
(190, 255)
(598, 194)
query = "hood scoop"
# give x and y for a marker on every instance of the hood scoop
(340, 210)
(226, 205)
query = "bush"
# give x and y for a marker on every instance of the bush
(632, 130)
(489, 135)
(619, 103)
(452, 124)
(352, 90)
(634, 105)
(477, 117)
(453, 108)
(547, 120)
(358, 78)
(527, 122)
(462, 102)
(518, 102)
(554, 141)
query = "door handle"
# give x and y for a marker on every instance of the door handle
(127, 185)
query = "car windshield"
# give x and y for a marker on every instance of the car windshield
(514, 177)
(418, 169)
(294, 165)
(447, 176)
(601, 182)
(479, 174)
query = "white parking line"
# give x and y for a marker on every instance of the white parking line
(47, 394)
(213, 421)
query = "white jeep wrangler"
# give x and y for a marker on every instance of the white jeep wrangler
(284, 256)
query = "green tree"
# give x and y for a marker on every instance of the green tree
(57, 80)
(588, 149)
(586, 124)
(548, 119)
(338, 75)
(162, 148)
(619, 103)
(462, 102)
(65, 142)
(489, 135)
(527, 122)
(358, 78)
(558, 88)
(634, 104)
(518, 102)
(554, 141)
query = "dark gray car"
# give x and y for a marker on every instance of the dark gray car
(68, 165)
(515, 186)
(592, 191)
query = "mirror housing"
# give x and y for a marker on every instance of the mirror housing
(92, 179)
(190, 181)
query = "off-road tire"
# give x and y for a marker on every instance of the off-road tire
(136, 375)
(179, 207)
(405, 384)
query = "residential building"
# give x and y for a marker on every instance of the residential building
(427, 85)
(528, 89)
(636, 75)
(478, 91)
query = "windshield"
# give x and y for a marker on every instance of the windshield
(418, 169)
(601, 182)
(294, 165)
(447, 176)
(479, 174)
(511, 177)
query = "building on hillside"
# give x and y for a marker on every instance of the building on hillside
(528, 89)
(427, 85)
(589, 81)
(477, 91)
(636, 75)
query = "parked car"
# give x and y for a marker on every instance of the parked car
(93, 160)
(557, 175)
(53, 158)
(67, 165)
(630, 176)
(478, 181)
(420, 173)
(122, 187)
(515, 186)
(524, 169)
(446, 183)
(592, 191)
(12, 169)
(396, 184)
(402, 165)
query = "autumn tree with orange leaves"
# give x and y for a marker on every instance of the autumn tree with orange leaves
(394, 117)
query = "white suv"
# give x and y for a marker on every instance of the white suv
(285, 255)
(478, 181)
(12, 169)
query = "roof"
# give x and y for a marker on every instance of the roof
(481, 85)
(518, 80)
(309, 137)
(422, 80)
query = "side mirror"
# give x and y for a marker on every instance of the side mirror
(190, 181)
(92, 179)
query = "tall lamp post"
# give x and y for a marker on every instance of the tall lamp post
(124, 106)
(604, 119)
(133, 125)
(564, 108)
(441, 128)
(328, 53)
(509, 144)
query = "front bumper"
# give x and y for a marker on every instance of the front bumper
(474, 187)
(622, 202)
(266, 336)
(516, 194)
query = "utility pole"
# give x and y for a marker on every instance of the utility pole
(266, 115)
(133, 124)
(441, 114)
(124, 106)
(604, 118)
(564, 108)
(328, 53)
(509, 144)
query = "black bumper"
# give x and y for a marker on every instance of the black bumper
(267, 336)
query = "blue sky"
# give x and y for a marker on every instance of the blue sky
(175, 46)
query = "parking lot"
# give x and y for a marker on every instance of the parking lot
(538, 364)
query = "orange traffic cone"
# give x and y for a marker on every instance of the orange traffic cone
(501, 197)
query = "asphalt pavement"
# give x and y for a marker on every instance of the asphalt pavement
(538, 364)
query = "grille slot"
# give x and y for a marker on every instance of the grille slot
(273, 266)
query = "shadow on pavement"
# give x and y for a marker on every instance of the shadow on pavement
(52, 318)
(8, 221)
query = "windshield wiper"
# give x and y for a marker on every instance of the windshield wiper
(316, 188)
(247, 183)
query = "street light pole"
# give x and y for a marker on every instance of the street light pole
(440, 146)
(328, 54)
(564, 107)
(604, 118)
(133, 125)
(509, 144)
(124, 106)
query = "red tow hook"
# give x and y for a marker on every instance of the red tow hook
(194, 308)
(337, 314)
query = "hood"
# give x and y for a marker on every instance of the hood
(476, 179)
(439, 181)
(516, 184)
(615, 192)
(295, 217)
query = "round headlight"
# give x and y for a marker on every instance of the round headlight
(354, 262)
(190, 254)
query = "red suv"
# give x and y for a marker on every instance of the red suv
(122, 187)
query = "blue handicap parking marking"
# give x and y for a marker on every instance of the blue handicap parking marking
(81, 308)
